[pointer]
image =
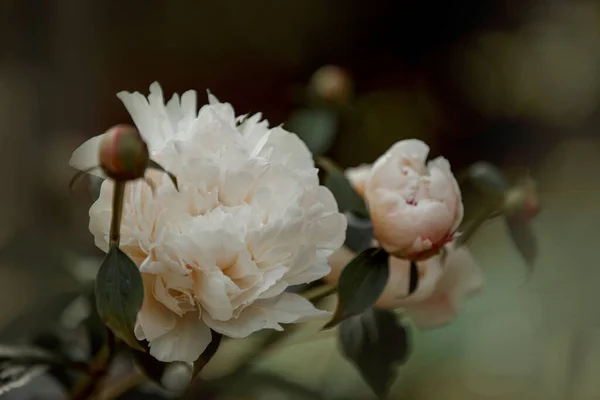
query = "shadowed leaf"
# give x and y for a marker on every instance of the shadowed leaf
(154, 165)
(413, 278)
(359, 234)
(487, 178)
(347, 198)
(119, 295)
(524, 239)
(361, 283)
(377, 343)
(316, 127)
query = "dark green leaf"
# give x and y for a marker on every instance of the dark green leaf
(208, 353)
(377, 343)
(361, 283)
(316, 127)
(413, 278)
(154, 165)
(359, 234)
(524, 238)
(95, 185)
(487, 178)
(119, 295)
(347, 198)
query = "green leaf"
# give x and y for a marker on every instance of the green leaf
(316, 127)
(154, 165)
(377, 343)
(487, 178)
(359, 234)
(413, 282)
(119, 295)
(524, 238)
(361, 283)
(347, 198)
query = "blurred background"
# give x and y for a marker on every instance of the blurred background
(512, 82)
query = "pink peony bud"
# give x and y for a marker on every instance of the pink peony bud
(123, 154)
(415, 206)
(521, 203)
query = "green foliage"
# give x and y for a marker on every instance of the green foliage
(487, 178)
(377, 343)
(119, 295)
(317, 127)
(361, 283)
(347, 198)
(359, 234)
(524, 239)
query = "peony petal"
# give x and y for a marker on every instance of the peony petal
(268, 314)
(86, 156)
(154, 319)
(358, 177)
(212, 294)
(395, 295)
(185, 342)
(461, 278)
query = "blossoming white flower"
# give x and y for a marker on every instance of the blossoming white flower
(415, 207)
(250, 220)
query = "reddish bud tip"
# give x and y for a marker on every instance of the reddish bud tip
(522, 203)
(123, 153)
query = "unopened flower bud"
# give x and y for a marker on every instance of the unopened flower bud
(177, 376)
(123, 153)
(521, 203)
(332, 83)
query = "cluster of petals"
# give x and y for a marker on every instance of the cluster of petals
(250, 220)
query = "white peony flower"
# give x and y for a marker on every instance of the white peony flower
(250, 220)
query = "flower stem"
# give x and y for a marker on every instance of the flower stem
(87, 385)
(117, 212)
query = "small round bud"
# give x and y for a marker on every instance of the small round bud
(123, 153)
(177, 376)
(331, 83)
(521, 203)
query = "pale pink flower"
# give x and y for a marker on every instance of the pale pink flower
(416, 207)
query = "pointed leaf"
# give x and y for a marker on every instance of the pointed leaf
(316, 127)
(347, 198)
(488, 178)
(524, 238)
(377, 343)
(119, 295)
(413, 282)
(154, 165)
(361, 283)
